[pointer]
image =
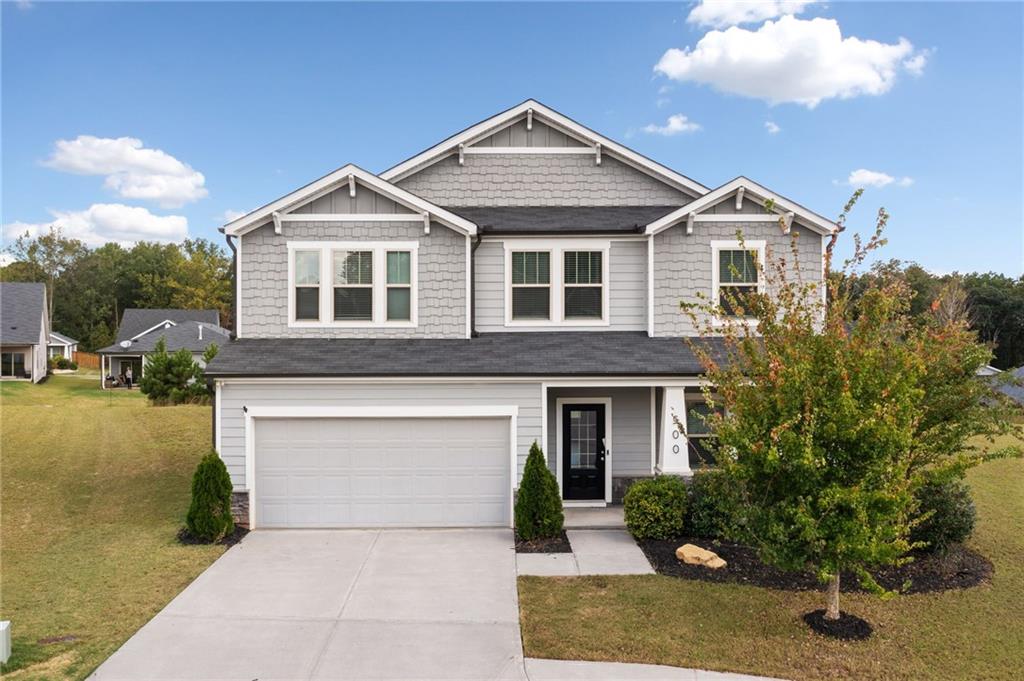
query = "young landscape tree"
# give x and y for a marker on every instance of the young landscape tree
(173, 378)
(829, 416)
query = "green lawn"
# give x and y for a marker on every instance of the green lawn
(972, 634)
(94, 488)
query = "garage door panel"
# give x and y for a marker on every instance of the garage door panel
(360, 472)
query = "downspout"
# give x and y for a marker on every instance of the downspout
(234, 280)
(472, 283)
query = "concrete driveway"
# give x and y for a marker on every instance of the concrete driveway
(345, 604)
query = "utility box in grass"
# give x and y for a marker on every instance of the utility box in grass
(5, 642)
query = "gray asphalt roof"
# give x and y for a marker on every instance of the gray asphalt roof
(562, 219)
(184, 335)
(136, 320)
(21, 312)
(62, 338)
(570, 353)
(1014, 390)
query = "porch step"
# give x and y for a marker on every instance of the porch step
(608, 517)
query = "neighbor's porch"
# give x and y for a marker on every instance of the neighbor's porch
(114, 368)
(600, 439)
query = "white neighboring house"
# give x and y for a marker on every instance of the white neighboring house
(62, 346)
(24, 331)
(141, 329)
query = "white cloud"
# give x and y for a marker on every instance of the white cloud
(101, 223)
(915, 65)
(676, 124)
(662, 102)
(132, 171)
(772, 128)
(664, 89)
(722, 13)
(791, 60)
(862, 177)
(230, 215)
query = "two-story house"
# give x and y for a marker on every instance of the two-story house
(402, 339)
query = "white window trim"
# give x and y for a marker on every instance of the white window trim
(557, 247)
(380, 250)
(731, 245)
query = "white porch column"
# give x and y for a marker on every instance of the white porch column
(675, 456)
(103, 373)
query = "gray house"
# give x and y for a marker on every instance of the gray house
(24, 331)
(62, 346)
(140, 331)
(403, 338)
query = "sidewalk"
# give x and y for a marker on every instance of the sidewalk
(594, 552)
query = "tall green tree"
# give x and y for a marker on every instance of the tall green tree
(833, 414)
(50, 254)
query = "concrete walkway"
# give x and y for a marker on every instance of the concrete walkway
(565, 670)
(594, 552)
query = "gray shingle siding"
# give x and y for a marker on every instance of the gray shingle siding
(682, 264)
(441, 273)
(539, 180)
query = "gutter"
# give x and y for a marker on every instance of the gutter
(234, 281)
(472, 282)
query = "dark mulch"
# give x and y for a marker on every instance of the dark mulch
(848, 627)
(960, 568)
(187, 538)
(559, 544)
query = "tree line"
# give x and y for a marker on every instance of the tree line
(992, 303)
(89, 288)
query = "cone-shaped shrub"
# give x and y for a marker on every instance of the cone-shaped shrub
(538, 506)
(209, 516)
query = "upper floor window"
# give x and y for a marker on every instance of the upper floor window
(353, 285)
(583, 288)
(736, 274)
(556, 282)
(307, 285)
(371, 283)
(531, 285)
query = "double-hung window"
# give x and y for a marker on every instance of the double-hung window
(531, 285)
(583, 290)
(736, 275)
(700, 438)
(307, 285)
(399, 286)
(353, 286)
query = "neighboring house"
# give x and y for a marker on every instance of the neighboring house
(403, 338)
(141, 329)
(24, 331)
(62, 346)
(1014, 386)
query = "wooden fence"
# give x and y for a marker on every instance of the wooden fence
(87, 360)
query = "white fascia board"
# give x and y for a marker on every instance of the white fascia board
(559, 122)
(336, 179)
(783, 205)
(153, 328)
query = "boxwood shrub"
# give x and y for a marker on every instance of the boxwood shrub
(945, 515)
(656, 508)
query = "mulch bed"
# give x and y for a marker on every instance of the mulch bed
(559, 544)
(187, 538)
(959, 568)
(848, 627)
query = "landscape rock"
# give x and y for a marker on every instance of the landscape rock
(695, 555)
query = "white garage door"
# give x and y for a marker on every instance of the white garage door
(380, 472)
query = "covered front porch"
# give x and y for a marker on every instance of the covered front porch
(599, 439)
(114, 370)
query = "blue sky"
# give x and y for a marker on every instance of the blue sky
(261, 98)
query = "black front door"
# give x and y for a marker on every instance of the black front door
(583, 451)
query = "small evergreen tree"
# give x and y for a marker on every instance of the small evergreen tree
(209, 515)
(173, 378)
(539, 505)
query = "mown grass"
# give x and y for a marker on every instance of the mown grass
(972, 634)
(94, 487)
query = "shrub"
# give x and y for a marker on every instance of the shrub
(656, 508)
(945, 515)
(173, 378)
(713, 504)
(209, 515)
(539, 505)
(73, 366)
